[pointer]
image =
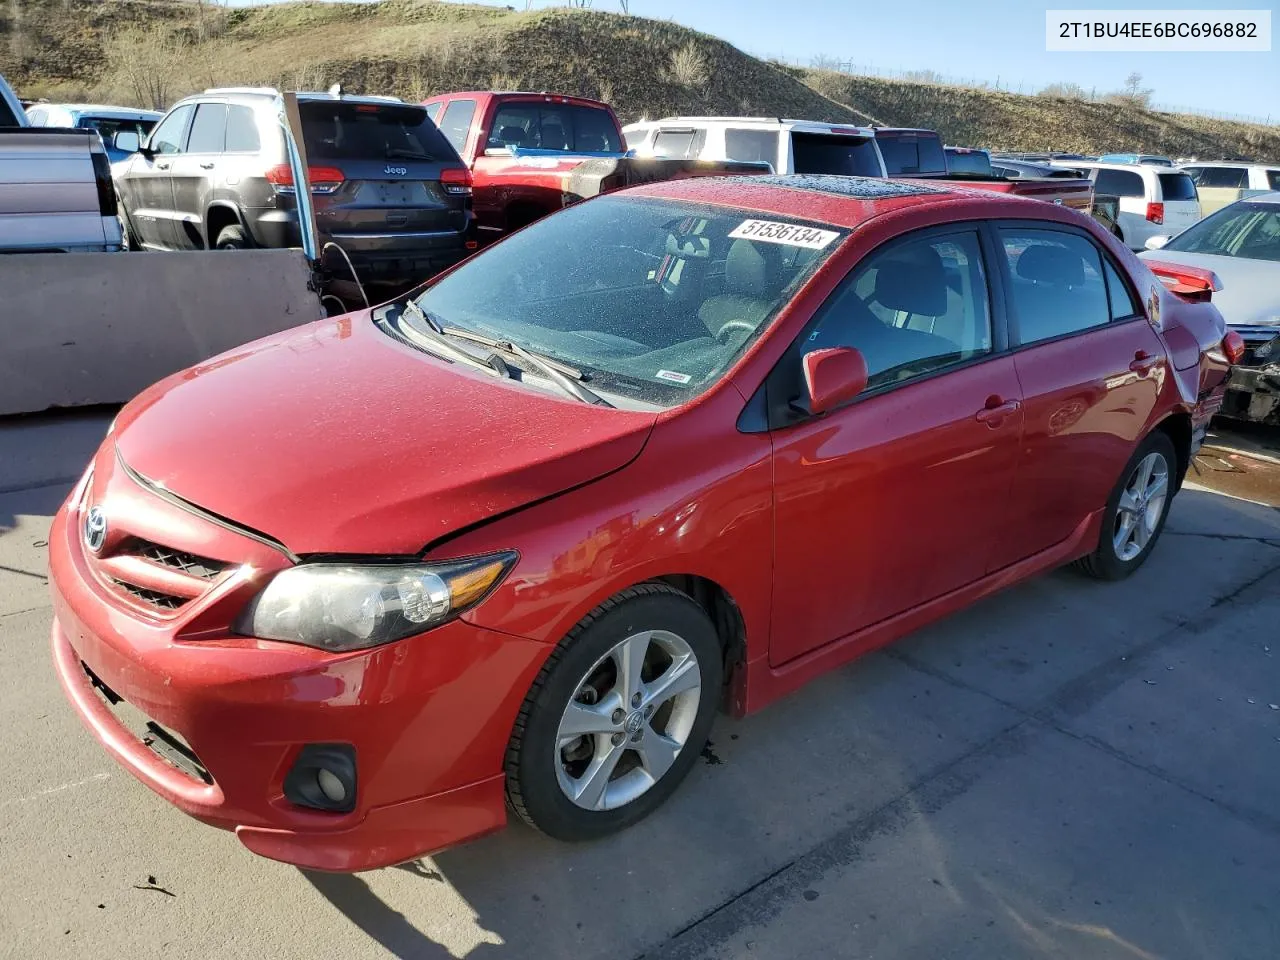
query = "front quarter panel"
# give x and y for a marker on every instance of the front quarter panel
(697, 501)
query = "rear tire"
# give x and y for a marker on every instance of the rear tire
(1136, 510)
(232, 238)
(128, 240)
(594, 750)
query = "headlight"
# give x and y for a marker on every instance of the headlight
(340, 606)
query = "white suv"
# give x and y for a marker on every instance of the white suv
(1221, 182)
(1154, 200)
(788, 146)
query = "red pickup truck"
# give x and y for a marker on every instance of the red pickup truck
(532, 153)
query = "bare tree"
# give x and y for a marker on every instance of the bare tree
(626, 6)
(1134, 94)
(1066, 91)
(150, 64)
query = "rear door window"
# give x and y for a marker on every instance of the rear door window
(338, 130)
(242, 130)
(1177, 186)
(1056, 284)
(1123, 302)
(751, 146)
(433, 111)
(563, 127)
(168, 136)
(208, 129)
(456, 123)
(1233, 178)
(834, 154)
(1119, 183)
(1273, 179)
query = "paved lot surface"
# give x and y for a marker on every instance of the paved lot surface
(1067, 770)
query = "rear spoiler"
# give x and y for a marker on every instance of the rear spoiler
(1193, 284)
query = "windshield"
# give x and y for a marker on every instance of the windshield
(829, 153)
(651, 299)
(1250, 231)
(110, 126)
(969, 161)
(555, 126)
(908, 154)
(334, 130)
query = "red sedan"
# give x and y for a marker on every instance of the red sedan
(354, 589)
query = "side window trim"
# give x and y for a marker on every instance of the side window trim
(774, 406)
(186, 141)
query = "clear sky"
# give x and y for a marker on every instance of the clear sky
(989, 40)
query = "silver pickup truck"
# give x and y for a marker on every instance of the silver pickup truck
(56, 193)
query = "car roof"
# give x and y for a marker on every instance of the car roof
(1230, 163)
(546, 94)
(842, 201)
(303, 95)
(106, 110)
(770, 122)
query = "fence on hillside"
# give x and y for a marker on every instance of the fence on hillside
(1001, 84)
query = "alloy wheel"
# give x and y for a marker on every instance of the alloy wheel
(1141, 506)
(628, 721)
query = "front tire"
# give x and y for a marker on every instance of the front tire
(617, 715)
(1136, 510)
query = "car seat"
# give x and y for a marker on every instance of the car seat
(751, 282)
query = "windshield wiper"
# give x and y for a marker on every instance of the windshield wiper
(561, 374)
(431, 336)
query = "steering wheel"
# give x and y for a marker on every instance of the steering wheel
(731, 324)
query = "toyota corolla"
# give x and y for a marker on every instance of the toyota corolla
(356, 590)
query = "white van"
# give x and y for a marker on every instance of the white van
(1154, 200)
(788, 146)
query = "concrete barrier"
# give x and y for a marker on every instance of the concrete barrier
(79, 329)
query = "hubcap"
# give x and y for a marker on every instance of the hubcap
(1141, 506)
(628, 721)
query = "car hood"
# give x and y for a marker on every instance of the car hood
(1250, 292)
(335, 438)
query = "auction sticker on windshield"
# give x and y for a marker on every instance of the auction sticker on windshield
(772, 231)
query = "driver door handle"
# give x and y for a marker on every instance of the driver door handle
(207, 165)
(163, 165)
(996, 410)
(1143, 361)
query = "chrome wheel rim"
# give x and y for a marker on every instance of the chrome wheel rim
(628, 721)
(1141, 506)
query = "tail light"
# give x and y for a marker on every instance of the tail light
(1155, 212)
(1233, 346)
(456, 181)
(102, 179)
(323, 180)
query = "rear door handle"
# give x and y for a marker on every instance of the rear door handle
(163, 166)
(207, 165)
(1143, 361)
(996, 410)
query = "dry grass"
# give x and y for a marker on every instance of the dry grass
(414, 48)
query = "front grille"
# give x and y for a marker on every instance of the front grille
(165, 601)
(188, 563)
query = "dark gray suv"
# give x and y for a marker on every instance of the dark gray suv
(388, 188)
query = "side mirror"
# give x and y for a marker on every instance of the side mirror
(126, 141)
(498, 152)
(1156, 243)
(833, 376)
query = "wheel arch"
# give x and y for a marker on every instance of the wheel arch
(221, 214)
(1177, 427)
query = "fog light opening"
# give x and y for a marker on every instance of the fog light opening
(323, 777)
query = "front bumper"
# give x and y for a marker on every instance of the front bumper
(1253, 393)
(429, 718)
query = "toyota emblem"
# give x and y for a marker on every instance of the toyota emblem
(95, 529)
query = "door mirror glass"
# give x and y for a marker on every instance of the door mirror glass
(833, 376)
(125, 141)
(1156, 243)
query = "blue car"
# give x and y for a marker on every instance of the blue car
(107, 120)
